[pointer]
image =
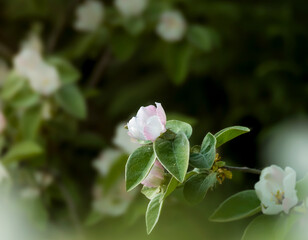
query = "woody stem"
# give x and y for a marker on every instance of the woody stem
(244, 169)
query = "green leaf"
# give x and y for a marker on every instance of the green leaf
(25, 98)
(93, 218)
(72, 101)
(173, 183)
(177, 61)
(241, 205)
(267, 227)
(201, 37)
(173, 154)
(12, 85)
(68, 73)
(197, 186)
(124, 46)
(30, 123)
(150, 193)
(229, 133)
(22, 151)
(302, 188)
(153, 212)
(138, 166)
(206, 157)
(179, 126)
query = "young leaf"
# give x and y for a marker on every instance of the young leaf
(68, 73)
(241, 205)
(179, 126)
(197, 186)
(173, 183)
(72, 101)
(150, 193)
(153, 212)
(22, 151)
(302, 188)
(173, 154)
(229, 133)
(138, 166)
(206, 157)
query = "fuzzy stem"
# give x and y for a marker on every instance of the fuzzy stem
(244, 169)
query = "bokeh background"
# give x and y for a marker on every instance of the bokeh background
(236, 63)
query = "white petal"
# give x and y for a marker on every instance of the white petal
(153, 128)
(135, 130)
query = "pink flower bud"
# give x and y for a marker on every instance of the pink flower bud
(149, 123)
(155, 177)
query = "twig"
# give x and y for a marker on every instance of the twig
(71, 207)
(55, 35)
(99, 69)
(244, 169)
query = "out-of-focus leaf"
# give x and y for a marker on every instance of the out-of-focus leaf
(93, 218)
(68, 73)
(197, 187)
(30, 123)
(302, 188)
(72, 101)
(12, 85)
(177, 59)
(22, 151)
(134, 25)
(240, 205)
(201, 37)
(123, 46)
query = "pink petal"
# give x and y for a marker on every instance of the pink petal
(146, 112)
(161, 113)
(153, 128)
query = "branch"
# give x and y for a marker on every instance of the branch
(99, 69)
(244, 169)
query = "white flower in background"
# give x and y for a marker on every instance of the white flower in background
(89, 16)
(276, 190)
(131, 8)
(27, 61)
(45, 79)
(171, 26)
(4, 71)
(33, 42)
(3, 173)
(122, 140)
(286, 144)
(155, 177)
(105, 161)
(29, 193)
(115, 202)
(44, 179)
(149, 123)
(2, 122)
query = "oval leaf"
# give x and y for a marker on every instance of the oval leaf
(12, 85)
(229, 133)
(72, 101)
(173, 183)
(138, 166)
(179, 126)
(241, 205)
(173, 154)
(197, 186)
(201, 37)
(153, 212)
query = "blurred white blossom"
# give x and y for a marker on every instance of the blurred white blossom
(43, 77)
(44, 179)
(131, 8)
(33, 42)
(90, 14)
(105, 160)
(171, 26)
(122, 140)
(29, 193)
(287, 145)
(115, 202)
